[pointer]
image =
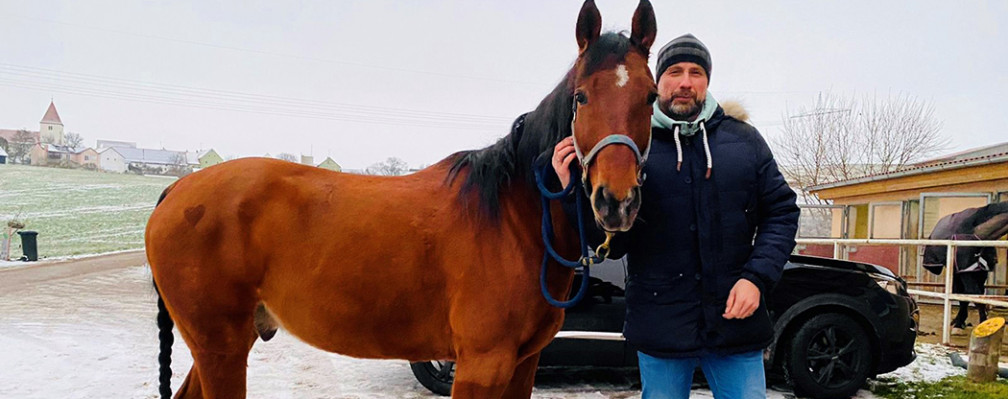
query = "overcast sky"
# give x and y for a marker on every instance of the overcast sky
(361, 81)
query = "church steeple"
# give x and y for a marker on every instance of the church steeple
(51, 115)
(51, 126)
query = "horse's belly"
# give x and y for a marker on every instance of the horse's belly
(372, 315)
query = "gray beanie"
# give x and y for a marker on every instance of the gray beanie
(683, 48)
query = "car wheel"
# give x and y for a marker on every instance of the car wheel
(829, 357)
(437, 376)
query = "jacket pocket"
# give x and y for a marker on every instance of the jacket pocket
(664, 317)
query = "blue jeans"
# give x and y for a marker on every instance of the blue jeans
(738, 376)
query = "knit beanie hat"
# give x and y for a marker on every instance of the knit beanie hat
(685, 48)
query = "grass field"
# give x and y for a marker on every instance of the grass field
(75, 211)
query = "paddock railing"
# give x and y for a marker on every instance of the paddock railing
(947, 297)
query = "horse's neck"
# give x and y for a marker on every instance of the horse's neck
(523, 206)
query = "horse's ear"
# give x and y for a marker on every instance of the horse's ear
(589, 25)
(644, 26)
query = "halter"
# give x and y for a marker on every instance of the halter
(602, 251)
(586, 159)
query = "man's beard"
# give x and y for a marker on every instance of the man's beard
(683, 112)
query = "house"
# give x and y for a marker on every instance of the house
(907, 203)
(307, 160)
(42, 154)
(3, 156)
(203, 159)
(330, 164)
(86, 158)
(12, 141)
(111, 160)
(146, 161)
(8, 135)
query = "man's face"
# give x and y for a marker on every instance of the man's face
(682, 90)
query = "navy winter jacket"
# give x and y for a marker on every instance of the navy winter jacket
(694, 238)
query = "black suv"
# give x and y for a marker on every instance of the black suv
(837, 323)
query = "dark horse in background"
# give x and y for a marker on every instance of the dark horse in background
(442, 264)
(971, 264)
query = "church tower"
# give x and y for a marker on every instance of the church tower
(51, 127)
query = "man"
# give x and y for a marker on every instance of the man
(714, 231)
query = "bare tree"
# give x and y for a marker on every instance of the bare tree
(839, 138)
(287, 157)
(73, 140)
(390, 167)
(20, 145)
(13, 225)
(179, 165)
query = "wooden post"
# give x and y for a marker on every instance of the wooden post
(985, 349)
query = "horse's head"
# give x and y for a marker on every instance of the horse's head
(612, 101)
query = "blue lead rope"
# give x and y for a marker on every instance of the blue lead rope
(547, 234)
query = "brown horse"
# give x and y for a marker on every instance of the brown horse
(440, 264)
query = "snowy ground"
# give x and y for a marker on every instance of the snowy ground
(93, 335)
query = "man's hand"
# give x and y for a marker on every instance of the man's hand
(743, 300)
(563, 154)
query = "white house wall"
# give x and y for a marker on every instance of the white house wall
(111, 161)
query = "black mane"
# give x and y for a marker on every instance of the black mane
(510, 158)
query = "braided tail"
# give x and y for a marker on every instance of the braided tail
(167, 338)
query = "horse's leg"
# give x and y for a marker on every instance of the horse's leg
(523, 379)
(190, 388)
(218, 327)
(483, 375)
(222, 367)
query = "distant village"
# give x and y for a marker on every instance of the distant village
(51, 146)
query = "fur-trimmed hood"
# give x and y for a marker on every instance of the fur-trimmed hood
(735, 110)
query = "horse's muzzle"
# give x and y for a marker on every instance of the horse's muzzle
(615, 214)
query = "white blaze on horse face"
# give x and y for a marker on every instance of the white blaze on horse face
(622, 76)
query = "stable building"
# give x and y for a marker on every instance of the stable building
(906, 204)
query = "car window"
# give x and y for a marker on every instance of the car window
(611, 271)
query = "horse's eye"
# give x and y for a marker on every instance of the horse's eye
(651, 97)
(581, 98)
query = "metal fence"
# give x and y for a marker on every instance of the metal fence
(947, 297)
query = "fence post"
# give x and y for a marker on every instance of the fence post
(949, 270)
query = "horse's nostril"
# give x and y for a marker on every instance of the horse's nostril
(605, 194)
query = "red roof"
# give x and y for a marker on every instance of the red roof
(8, 135)
(51, 115)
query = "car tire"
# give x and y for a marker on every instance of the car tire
(437, 376)
(829, 357)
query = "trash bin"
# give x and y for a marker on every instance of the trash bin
(29, 245)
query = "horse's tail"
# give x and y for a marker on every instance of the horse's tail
(165, 335)
(167, 338)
